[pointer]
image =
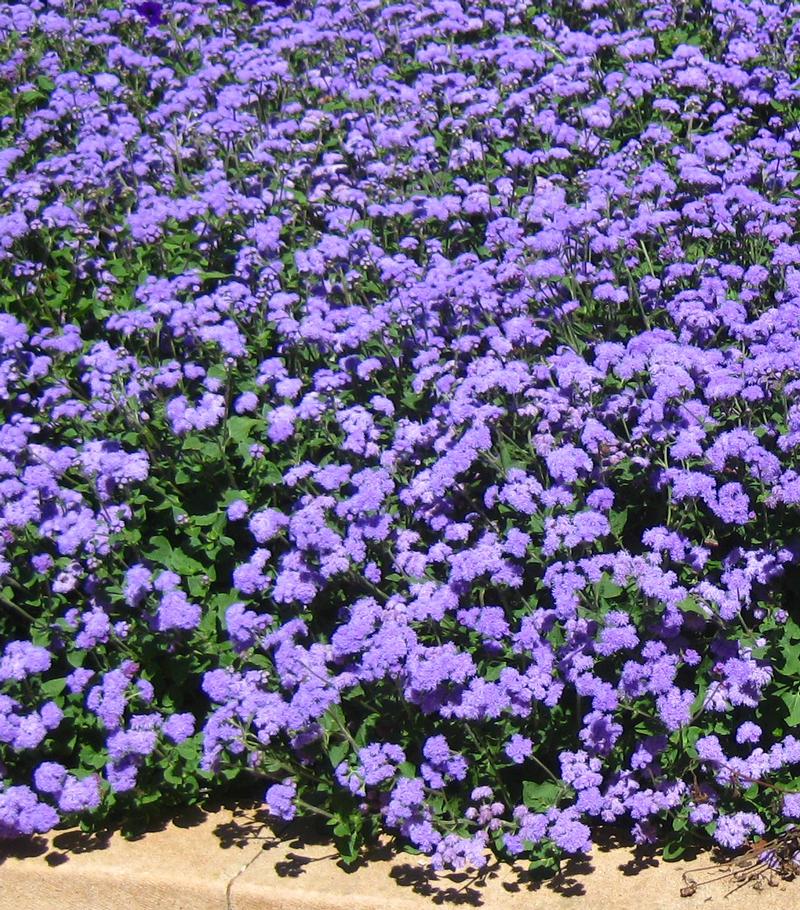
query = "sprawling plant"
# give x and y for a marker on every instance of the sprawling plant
(399, 404)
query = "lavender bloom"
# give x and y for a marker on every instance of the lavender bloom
(49, 777)
(571, 835)
(20, 659)
(80, 795)
(441, 764)
(138, 582)
(245, 403)
(237, 510)
(152, 11)
(508, 409)
(244, 626)
(733, 830)
(455, 852)
(518, 748)
(280, 800)
(176, 612)
(179, 727)
(748, 732)
(22, 814)
(567, 462)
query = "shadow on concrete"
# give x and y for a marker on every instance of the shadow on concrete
(251, 824)
(23, 848)
(456, 888)
(462, 888)
(58, 846)
(644, 856)
(302, 839)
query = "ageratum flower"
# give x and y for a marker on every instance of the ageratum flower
(431, 422)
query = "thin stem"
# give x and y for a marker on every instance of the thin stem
(14, 608)
(544, 768)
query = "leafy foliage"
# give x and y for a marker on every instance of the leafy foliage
(399, 407)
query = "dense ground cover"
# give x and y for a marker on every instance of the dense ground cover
(400, 404)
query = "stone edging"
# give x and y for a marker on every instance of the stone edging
(231, 860)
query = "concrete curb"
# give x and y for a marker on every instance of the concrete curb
(231, 860)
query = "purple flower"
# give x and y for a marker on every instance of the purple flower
(151, 11)
(571, 835)
(518, 748)
(244, 626)
(456, 852)
(80, 795)
(791, 805)
(138, 582)
(78, 679)
(21, 659)
(674, 708)
(237, 510)
(179, 727)
(567, 462)
(175, 612)
(266, 524)
(125, 743)
(280, 800)
(49, 777)
(702, 814)
(245, 403)
(22, 814)
(748, 732)
(733, 830)
(441, 764)
(281, 423)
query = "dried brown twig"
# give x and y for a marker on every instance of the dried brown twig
(764, 864)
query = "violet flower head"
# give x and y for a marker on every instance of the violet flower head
(280, 800)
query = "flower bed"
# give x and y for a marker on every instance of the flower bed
(399, 404)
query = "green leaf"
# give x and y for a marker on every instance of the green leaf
(75, 658)
(618, 520)
(493, 671)
(791, 698)
(540, 795)
(333, 720)
(203, 521)
(239, 428)
(271, 474)
(607, 589)
(197, 588)
(89, 758)
(184, 564)
(690, 605)
(790, 650)
(206, 275)
(162, 550)
(337, 753)
(543, 866)
(173, 777)
(53, 687)
(673, 850)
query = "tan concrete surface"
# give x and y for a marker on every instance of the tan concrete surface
(230, 860)
(186, 866)
(300, 875)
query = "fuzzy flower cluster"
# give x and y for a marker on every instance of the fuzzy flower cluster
(399, 404)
